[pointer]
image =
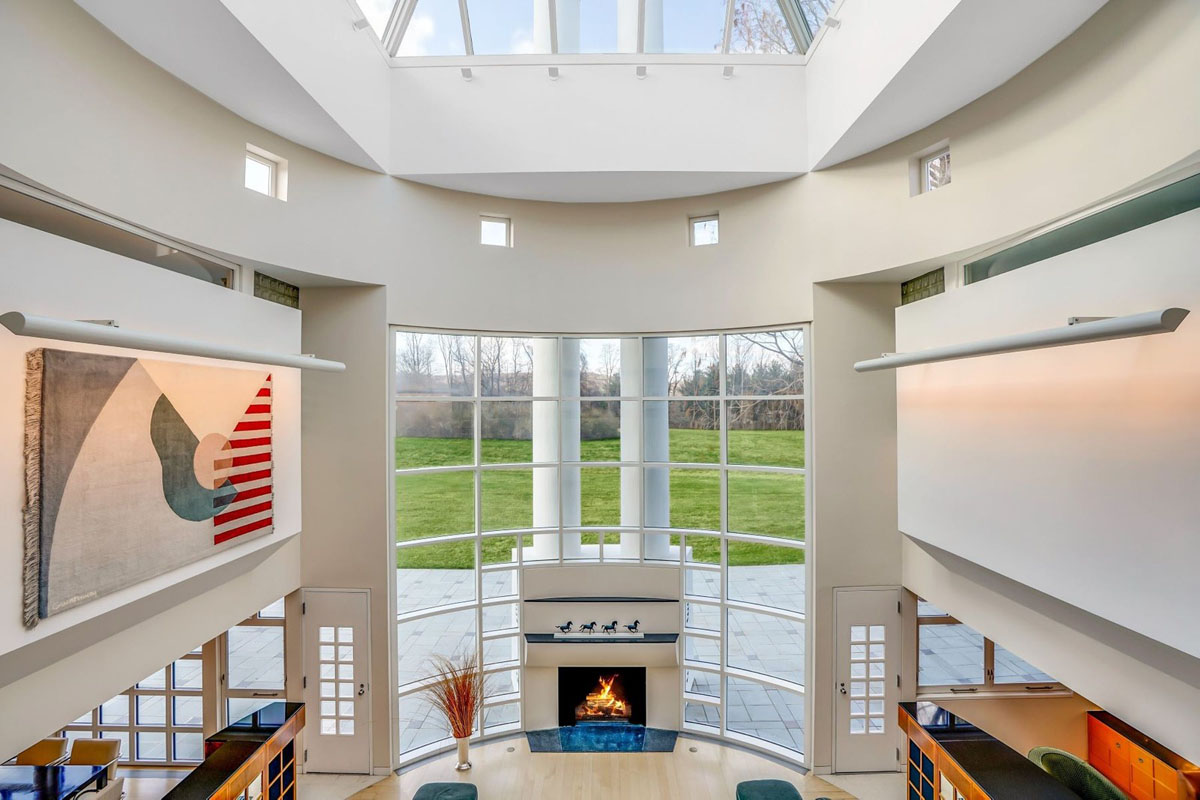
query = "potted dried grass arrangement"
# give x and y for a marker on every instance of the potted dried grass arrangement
(457, 691)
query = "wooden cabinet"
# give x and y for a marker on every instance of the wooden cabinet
(1139, 766)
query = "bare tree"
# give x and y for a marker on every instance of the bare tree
(759, 27)
(414, 359)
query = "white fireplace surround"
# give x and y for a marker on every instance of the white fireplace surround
(663, 685)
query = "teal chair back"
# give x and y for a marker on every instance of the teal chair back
(1076, 774)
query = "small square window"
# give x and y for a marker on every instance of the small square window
(703, 230)
(935, 170)
(266, 173)
(495, 231)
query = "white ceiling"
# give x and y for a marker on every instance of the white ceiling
(597, 134)
(599, 187)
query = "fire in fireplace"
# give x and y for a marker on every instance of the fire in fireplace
(606, 705)
(601, 694)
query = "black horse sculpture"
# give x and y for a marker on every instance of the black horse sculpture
(609, 628)
(590, 627)
(565, 628)
(634, 627)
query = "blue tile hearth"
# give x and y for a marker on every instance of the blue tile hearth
(602, 737)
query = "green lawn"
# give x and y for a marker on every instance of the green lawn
(442, 504)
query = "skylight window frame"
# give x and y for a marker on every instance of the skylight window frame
(797, 22)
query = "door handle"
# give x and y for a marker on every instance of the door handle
(842, 688)
(362, 689)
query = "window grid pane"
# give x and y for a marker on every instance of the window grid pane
(592, 429)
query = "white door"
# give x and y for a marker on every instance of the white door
(337, 681)
(867, 674)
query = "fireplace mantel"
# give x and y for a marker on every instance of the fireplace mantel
(654, 650)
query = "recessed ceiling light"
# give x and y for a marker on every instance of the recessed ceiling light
(692, 750)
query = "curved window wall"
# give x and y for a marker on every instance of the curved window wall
(559, 449)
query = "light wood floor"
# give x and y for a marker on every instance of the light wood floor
(711, 773)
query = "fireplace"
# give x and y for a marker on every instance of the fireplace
(601, 694)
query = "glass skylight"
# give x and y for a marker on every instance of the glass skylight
(515, 27)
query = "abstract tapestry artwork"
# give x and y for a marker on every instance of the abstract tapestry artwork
(135, 467)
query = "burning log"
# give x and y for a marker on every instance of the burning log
(604, 704)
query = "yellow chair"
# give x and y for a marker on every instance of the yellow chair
(96, 753)
(45, 753)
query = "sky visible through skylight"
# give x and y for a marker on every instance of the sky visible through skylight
(502, 27)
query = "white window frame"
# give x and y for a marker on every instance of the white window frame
(227, 692)
(926, 160)
(694, 221)
(495, 219)
(723, 603)
(278, 180)
(804, 38)
(988, 686)
(97, 728)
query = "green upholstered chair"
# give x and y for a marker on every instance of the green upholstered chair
(447, 791)
(767, 790)
(1076, 774)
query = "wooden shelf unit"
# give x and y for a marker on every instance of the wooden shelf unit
(1138, 765)
(253, 759)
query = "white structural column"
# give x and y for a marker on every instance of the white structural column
(545, 449)
(631, 439)
(567, 14)
(627, 26)
(569, 433)
(656, 436)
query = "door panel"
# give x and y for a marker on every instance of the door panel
(867, 624)
(337, 682)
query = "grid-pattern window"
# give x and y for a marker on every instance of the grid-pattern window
(483, 27)
(645, 449)
(158, 720)
(953, 658)
(923, 286)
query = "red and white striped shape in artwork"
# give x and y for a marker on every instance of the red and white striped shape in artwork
(247, 464)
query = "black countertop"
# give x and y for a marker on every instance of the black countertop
(259, 726)
(1003, 773)
(238, 744)
(210, 775)
(46, 783)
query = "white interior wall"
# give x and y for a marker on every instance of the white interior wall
(853, 537)
(1115, 93)
(1085, 455)
(515, 119)
(1024, 723)
(348, 467)
(1148, 685)
(47, 275)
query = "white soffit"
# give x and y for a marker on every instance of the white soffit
(599, 187)
(977, 46)
(201, 43)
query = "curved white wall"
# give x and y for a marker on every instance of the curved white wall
(1112, 105)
